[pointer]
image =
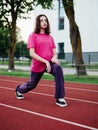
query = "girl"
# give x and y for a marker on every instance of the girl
(44, 59)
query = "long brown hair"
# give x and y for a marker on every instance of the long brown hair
(37, 25)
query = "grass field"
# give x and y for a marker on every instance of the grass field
(63, 64)
(67, 78)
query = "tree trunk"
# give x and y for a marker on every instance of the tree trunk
(11, 48)
(75, 38)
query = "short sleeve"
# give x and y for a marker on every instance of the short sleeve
(53, 43)
(31, 41)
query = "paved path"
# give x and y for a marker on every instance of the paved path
(65, 70)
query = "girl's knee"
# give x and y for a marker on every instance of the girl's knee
(57, 68)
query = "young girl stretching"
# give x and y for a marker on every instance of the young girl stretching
(44, 59)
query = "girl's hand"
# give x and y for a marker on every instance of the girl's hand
(48, 67)
(55, 60)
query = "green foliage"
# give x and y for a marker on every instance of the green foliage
(10, 11)
(4, 39)
(18, 8)
(46, 4)
(67, 78)
(21, 50)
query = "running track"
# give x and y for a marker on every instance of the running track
(38, 110)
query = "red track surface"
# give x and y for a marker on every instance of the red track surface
(38, 110)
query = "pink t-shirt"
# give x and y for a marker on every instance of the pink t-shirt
(43, 45)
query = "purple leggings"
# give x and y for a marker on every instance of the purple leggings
(56, 71)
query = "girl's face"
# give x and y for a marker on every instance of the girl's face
(43, 22)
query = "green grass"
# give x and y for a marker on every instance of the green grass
(63, 64)
(67, 78)
(18, 73)
(24, 63)
(81, 79)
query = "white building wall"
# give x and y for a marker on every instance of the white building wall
(59, 35)
(86, 19)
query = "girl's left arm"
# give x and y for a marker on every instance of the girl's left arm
(54, 59)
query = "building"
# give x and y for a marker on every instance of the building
(87, 20)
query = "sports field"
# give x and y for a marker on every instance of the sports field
(38, 111)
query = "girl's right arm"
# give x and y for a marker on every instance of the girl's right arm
(34, 55)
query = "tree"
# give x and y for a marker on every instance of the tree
(75, 37)
(21, 50)
(10, 11)
(4, 40)
(13, 9)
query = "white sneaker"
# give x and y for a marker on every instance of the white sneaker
(61, 102)
(18, 95)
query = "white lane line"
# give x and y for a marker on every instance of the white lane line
(49, 95)
(88, 90)
(47, 80)
(7, 88)
(74, 99)
(78, 89)
(13, 81)
(49, 117)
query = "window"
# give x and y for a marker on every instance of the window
(61, 54)
(61, 15)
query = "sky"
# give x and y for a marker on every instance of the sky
(26, 27)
